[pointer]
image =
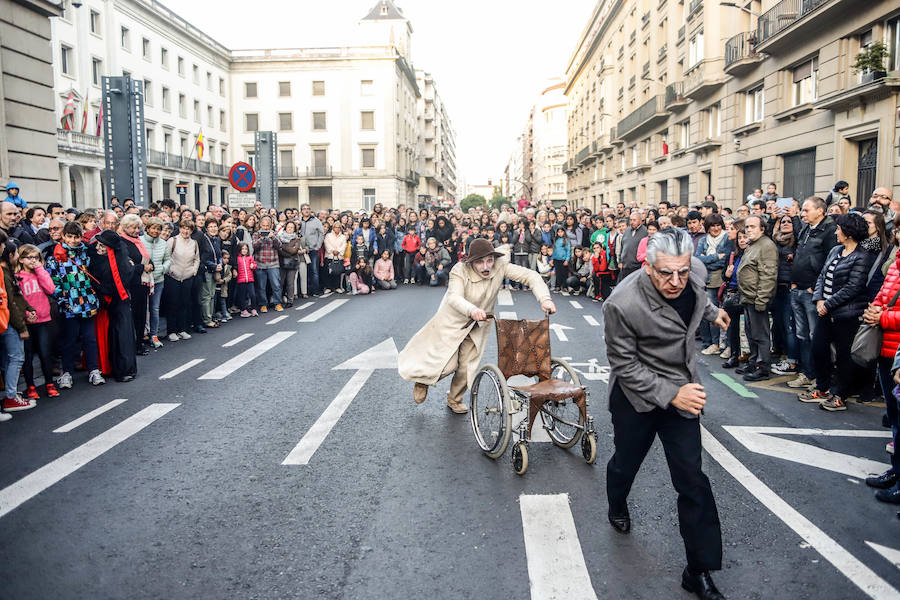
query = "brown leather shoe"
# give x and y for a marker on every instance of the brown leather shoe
(420, 392)
(458, 407)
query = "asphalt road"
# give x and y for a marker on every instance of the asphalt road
(179, 491)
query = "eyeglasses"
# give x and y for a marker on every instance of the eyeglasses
(669, 275)
(33, 256)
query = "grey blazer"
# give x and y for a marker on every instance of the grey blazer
(650, 350)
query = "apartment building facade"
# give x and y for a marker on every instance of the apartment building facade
(673, 100)
(549, 154)
(437, 146)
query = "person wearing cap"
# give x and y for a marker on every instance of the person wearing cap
(453, 341)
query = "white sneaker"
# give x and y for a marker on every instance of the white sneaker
(64, 381)
(173, 337)
(801, 381)
(889, 448)
(354, 292)
(711, 349)
(96, 377)
(4, 416)
(784, 367)
(726, 353)
(184, 335)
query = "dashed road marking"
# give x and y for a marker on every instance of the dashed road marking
(591, 320)
(230, 366)
(237, 340)
(315, 316)
(508, 314)
(87, 417)
(575, 303)
(182, 368)
(304, 305)
(277, 320)
(504, 298)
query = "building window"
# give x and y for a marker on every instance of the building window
(367, 87)
(755, 105)
(96, 71)
(222, 120)
(318, 88)
(209, 84)
(145, 48)
(196, 72)
(196, 111)
(284, 89)
(368, 120)
(713, 121)
(65, 59)
(319, 123)
(250, 89)
(320, 160)
(251, 122)
(892, 33)
(182, 107)
(164, 58)
(222, 86)
(805, 82)
(685, 127)
(210, 120)
(286, 159)
(181, 66)
(126, 39)
(95, 22)
(148, 92)
(368, 158)
(165, 99)
(695, 50)
(368, 199)
(285, 121)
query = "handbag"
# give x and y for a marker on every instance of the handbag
(866, 347)
(731, 300)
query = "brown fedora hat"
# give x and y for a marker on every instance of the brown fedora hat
(481, 248)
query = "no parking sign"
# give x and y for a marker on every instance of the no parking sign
(241, 176)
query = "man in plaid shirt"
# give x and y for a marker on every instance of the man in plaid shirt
(265, 252)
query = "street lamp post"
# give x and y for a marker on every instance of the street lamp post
(743, 8)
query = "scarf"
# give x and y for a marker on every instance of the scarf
(713, 243)
(139, 243)
(872, 244)
(117, 278)
(285, 238)
(784, 238)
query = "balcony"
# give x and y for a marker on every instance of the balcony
(583, 155)
(288, 172)
(599, 145)
(73, 141)
(318, 172)
(740, 54)
(632, 81)
(645, 72)
(647, 116)
(663, 50)
(218, 169)
(645, 19)
(778, 28)
(621, 92)
(411, 177)
(681, 34)
(695, 7)
(632, 37)
(706, 145)
(675, 98)
(703, 78)
(860, 95)
(614, 137)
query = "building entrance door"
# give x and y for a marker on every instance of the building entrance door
(865, 172)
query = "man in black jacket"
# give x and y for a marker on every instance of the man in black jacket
(815, 239)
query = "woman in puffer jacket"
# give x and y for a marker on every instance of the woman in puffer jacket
(840, 298)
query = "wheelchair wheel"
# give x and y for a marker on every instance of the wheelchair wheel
(489, 411)
(560, 417)
(589, 448)
(520, 458)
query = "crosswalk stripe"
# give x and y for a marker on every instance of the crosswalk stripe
(556, 567)
(304, 305)
(591, 320)
(87, 417)
(575, 303)
(504, 298)
(237, 340)
(182, 368)
(315, 316)
(232, 365)
(277, 320)
(508, 314)
(33, 484)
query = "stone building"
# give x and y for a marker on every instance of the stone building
(437, 146)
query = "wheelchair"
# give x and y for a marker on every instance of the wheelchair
(523, 348)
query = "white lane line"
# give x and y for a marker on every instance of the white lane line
(508, 314)
(304, 305)
(277, 320)
(862, 576)
(87, 417)
(33, 484)
(591, 320)
(310, 442)
(556, 567)
(182, 368)
(893, 556)
(315, 316)
(504, 298)
(575, 303)
(232, 365)
(237, 340)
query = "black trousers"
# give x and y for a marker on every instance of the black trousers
(121, 339)
(698, 517)
(140, 294)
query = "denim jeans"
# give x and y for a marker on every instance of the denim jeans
(273, 277)
(313, 272)
(886, 379)
(783, 321)
(440, 278)
(709, 333)
(155, 299)
(805, 319)
(12, 359)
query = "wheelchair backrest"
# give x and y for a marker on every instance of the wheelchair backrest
(523, 347)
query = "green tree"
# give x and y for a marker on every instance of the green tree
(472, 201)
(498, 200)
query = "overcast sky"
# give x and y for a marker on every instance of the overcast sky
(489, 58)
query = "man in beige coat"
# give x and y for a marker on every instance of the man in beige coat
(453, 341)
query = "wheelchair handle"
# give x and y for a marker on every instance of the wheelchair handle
(469, 323)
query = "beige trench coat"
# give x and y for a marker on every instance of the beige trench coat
(428, 352)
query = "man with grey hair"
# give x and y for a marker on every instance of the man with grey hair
(312, 231)
(650, 320)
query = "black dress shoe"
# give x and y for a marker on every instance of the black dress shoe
(731, 363)
(200, 329)
(621, 522)
(886, 480)
(702, 585)
(758, 374)
(125, 379)
(891, 495)
(143, 350)
(748, 368)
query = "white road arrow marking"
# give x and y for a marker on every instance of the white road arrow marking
(761, 441)
(504, 298)
(559, 330)
(381, 356)
(892, 555)
(556, 567)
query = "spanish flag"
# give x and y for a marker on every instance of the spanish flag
(199, 145)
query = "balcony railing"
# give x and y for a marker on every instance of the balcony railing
(318, 171)
(645, 115)
(218, 169)
(702, 78)
(155, 157)
(287, 171)
(663, 50)
(695, 6)
(79, 141)
(646, 69)
(583, 154)
(632, 37)
(645, 19)
(632, 81)
(681, 33)
(777, 18)
(740, 47)
(675, 95)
